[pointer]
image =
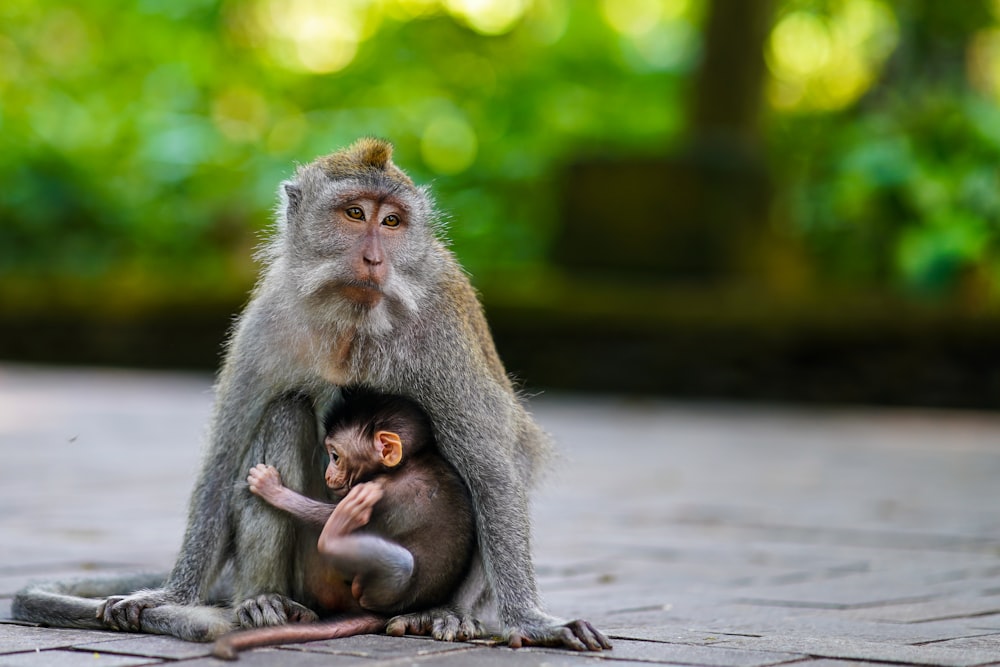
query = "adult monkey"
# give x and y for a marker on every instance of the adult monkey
(357, 289)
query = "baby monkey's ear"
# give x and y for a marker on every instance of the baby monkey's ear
(390, 448)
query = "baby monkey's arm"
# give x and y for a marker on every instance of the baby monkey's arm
(265, 481)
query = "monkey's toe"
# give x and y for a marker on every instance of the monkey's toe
(444, 624)
(298, 613)
(578, 635)
(261, 611)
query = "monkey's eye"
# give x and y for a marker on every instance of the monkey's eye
(391, 220)
(355, 213)
(334, 456)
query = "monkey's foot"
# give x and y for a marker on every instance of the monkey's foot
(444, 623)
(538, 629)
(272, 609)
(124, 612)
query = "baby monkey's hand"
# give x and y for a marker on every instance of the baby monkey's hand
(264, 481)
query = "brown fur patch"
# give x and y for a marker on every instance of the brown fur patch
(366, 155)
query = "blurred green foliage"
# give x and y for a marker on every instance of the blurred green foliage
(142, 141)
(901, 188)
(148, 138)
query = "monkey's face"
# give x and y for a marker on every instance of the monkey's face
(359, 245)
(351, 460)
(372, 233)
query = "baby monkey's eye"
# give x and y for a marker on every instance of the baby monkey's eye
(355, 213)
(391, 220)
(334, 456)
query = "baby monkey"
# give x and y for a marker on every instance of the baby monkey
(401, 537)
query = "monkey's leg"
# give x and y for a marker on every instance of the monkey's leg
(80, 604)
(381, 571)
(265, 542)
(460, 622)
(496, 480)
(74, 604)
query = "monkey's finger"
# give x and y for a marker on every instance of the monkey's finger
(567, 638)
(368, 494)
(557, 636)
(589, 635)
(114, 614)
(445, 628)
(469, 628)
(396, 627)
(411, 624)
(123, 614)
(133, 612)
(250, 614)
(104, 613)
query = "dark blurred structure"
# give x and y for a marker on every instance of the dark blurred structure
(689, 217)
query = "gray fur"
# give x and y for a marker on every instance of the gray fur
(78, 604)
(427, 339)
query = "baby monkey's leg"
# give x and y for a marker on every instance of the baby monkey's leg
(380, 570)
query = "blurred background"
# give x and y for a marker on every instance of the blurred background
(793, 200)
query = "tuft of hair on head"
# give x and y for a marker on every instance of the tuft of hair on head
(366, 156)
(371, 411)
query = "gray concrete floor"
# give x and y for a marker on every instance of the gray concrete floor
(693, 534)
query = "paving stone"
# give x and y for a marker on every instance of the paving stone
(524, 657)
(986, 642)
(276, 657)
(380, 646)
(14, 637)
(150, 645)
(831, 624)
(60, 658)
(854, 649)
(932, 610)
(687, 654)
(869, 591)
(875, 528)
(825, 662)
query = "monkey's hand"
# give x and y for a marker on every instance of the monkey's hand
(354, 511)
(538, 629)
(444, 623)
(264, 481)
(124, 612)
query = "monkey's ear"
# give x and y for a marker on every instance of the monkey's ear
(294, 195)
(390, 448)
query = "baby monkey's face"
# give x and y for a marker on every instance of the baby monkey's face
(350, 459)
(355, 458)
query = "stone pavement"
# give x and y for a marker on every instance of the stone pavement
(715, 535)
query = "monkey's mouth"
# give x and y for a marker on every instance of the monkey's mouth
(361, 292)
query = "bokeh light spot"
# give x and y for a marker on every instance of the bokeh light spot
(449, 144)
(488, 17)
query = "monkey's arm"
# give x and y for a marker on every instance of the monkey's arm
(380, 570)
(241, 411)
(265, 482)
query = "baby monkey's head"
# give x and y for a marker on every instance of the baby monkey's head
(370, 433)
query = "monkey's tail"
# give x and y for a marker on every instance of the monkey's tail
(228, 646)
